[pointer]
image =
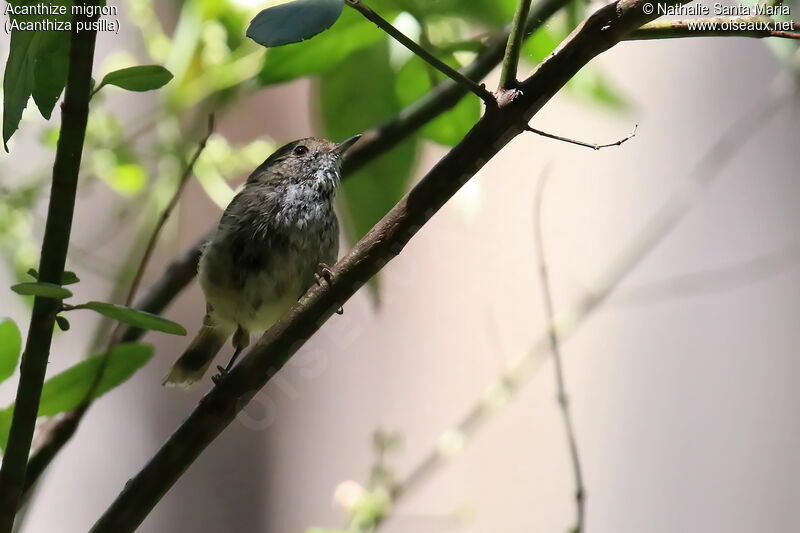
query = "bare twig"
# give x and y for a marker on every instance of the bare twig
(631, 135)
(508, 76)
(432, 60)
(75, 111)
(561, 388)
(162, 219)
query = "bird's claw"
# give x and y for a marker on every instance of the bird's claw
(219, 377)
(323, 272)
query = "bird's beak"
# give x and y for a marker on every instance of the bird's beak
(341, 149)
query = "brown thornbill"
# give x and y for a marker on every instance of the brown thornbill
(273, 240)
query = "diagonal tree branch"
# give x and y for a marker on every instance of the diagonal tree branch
(386, 240)
(373, 143)
(74, 115)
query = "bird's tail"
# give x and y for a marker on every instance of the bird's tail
(194, 362)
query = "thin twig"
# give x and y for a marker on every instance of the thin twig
(508, 76)
(458, 77)
(631, 135)
(162, 219)
(552, 334)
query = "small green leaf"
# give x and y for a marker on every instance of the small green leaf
(67, 390)
(63, 323)
(10, 348)
(140, 78)
(68, 278)
(41, 289)
(294, 22)
(134, 317)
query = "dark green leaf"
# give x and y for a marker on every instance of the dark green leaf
(67, 390)
(37, 63)
(63, 323)
(353, 32)
(50, 70)
(413, 81)
(357, 95)
(42, 289)
(32, 272)
(139, 78)
(293, 22)
(10, 348)
(69, 278)
(134, 317)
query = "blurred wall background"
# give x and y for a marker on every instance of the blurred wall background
(683, 396)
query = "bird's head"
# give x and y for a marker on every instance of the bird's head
(312, 161)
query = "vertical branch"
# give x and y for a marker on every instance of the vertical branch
(555, 350)
(74, 114)
(508, 76)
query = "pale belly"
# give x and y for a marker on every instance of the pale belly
(255, 307)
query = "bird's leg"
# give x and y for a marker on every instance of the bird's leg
(325, 272)
(241, 340)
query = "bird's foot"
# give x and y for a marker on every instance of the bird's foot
(219, 377)
(323, 272)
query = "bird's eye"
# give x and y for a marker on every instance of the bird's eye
(300, 150)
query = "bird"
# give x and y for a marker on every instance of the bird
(274, 240)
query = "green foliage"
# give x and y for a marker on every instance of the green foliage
(134, 317)
(41, 289)
(10, 348)
(67, 390)
(414, 80)
(354, 97)
(36, 66)
(294, 22)
(139, 78)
